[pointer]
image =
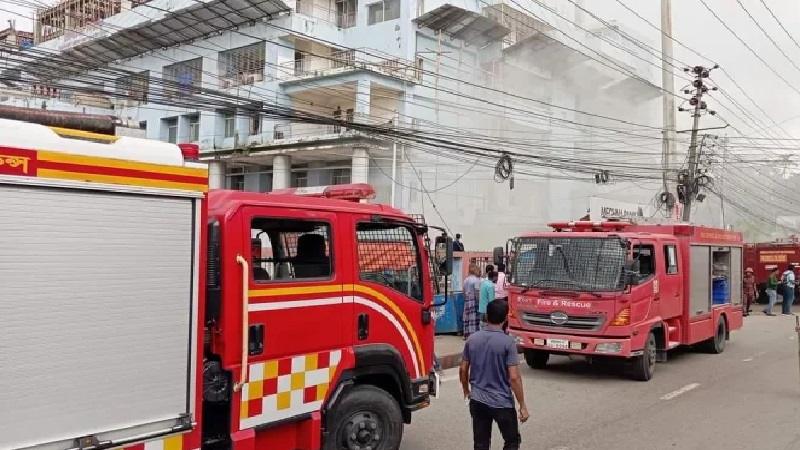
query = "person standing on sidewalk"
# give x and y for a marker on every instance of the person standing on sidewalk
(749, 287)
(501, 287)
(486, 295)
(788, 281)
(772, 291)
(471, 319)
(489, 374)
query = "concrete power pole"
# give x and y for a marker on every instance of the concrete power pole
(668, 100)
(688, 190)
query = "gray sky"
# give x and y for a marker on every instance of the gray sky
(698, 29)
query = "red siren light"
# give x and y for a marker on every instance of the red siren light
(190, 152)
(589, 226)
(351, 192)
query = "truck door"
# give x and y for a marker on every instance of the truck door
(391, 292)
(671, 296)
(297, 266)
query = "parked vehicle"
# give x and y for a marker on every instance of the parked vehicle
(764, 256)
(620, 290)
(144, 312)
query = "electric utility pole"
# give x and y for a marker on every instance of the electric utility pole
(668, 103)
(688, 188)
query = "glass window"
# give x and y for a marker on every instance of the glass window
(290, 249)
(671, 258)
(172, 130)
(647, 260)
(300, 179)
(388, 254)
(341, 176)
(383, 11)
(230, 125)
(194, 128)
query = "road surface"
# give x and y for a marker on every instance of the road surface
(746, 398)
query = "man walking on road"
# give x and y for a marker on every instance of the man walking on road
(772, 291)
(788, 280)
(489, 374)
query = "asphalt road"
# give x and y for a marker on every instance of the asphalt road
(746, 398)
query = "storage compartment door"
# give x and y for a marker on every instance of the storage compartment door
(700, 281)
(735, 276)
(97, 302)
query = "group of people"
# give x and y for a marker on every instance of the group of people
(783, 285)
(479, 292)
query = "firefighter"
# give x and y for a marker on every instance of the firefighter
(749, 286)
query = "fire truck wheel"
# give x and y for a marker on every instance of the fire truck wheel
(536, 359)
(368, 417)
(716, 344)
(644, 366)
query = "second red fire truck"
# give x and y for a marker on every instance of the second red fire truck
(138, 316)
(619, 290)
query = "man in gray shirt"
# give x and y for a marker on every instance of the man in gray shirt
(489, 374)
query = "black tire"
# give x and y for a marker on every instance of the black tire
(368, 417)
(536, 359)
(716, 344)
(644, 366)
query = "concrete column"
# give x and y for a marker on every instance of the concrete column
(216, 175)
(362, 106)
(359, 172)
(281, 172)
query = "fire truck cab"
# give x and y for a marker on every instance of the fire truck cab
(621, 290)
(144, 312)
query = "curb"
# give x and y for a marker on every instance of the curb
(453, 360)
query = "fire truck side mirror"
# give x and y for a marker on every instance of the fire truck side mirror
(444, 254)
(498, 255)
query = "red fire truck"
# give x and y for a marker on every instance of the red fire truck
(138, 316)
(764, 256)
(616, 289)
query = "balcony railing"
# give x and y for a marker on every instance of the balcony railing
(299, 131)
(346, 61)
(341, 20)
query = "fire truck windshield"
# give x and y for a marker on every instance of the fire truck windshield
(589, 264)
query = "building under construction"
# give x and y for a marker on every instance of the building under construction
(74, 15)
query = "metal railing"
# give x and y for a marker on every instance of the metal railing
(347, 60)
(341, 20)
(308, 131)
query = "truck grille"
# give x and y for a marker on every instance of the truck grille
(584, 323)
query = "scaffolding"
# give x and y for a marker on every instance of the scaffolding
(72, 15)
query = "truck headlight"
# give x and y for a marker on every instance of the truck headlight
(608, 347)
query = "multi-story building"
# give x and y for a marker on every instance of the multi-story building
(471, 82)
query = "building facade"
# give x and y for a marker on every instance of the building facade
(462, 85)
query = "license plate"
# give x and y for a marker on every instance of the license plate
(558, 343)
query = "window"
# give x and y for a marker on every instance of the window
(388, 254)
(229, 120)
(341, 176)
(242, 66)
(288, 249)
(134, 87)
(383, 11)
(671, 259)
(194, 128)
(184, 78)
(172, 130)
(300, 179)
(236, 176)
(255, 124)
(647, 261)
